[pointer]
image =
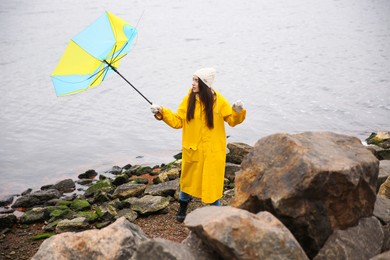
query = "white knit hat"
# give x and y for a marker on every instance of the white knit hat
(207, 75)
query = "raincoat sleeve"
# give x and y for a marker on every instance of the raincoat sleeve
(229, 115)
(175, 120)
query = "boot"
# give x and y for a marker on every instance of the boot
(181, 213)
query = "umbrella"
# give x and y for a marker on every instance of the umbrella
(92, 54)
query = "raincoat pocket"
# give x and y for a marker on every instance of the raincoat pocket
(190, 154)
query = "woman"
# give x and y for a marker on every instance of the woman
(202, 114)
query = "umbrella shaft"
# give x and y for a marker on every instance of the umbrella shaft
(114, 69)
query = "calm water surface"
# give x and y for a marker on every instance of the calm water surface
(298, 66)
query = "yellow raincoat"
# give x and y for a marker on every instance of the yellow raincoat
(203, 149)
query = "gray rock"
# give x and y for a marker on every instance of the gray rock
(199, 248)
(28, 191)
(6, 200)
(116, 241)
(90, 174)
(239, 234)
(230, 171)
(116, 170)
(382, 209)
(386, 238)
(35, 215)
(129, 214)
(360, 242)
(314, 182)
(7, 220)
(163, 189)
(36, 198)
(129, 190)
(237, 152)
(65, 186)
(156, 249)
(73, 225)
(148, 204)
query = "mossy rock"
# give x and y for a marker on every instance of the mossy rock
(61, 212)
(103, 224)
(63, 203)
(42, 236)
(143, 170)
(140, 180)
(79, 205)
(104, 185)
(381, 139)
(90, 216)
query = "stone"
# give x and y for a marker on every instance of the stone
(90, 216)
(148, 204)
(65, 186)
(163, 189)
(116, 170)
(230, 171)
(79, 205)
(161, 178)
(129, 214)
(199, 248)
(383, 256)
(237, 152)
(159, 248)
(6, 200)
(386, 238)
(35, 215)
(129, 190)
(354, 242)
(116, 241)
(384, 189)
(381, 139)
(90, 174)
(107, 211)
(60, 212)
(120, 179)
(73, 225)
(384, 172)
(100, 186)
(28, 191)
(7, 220)
(238, 234)
(36, 198)
(382, 209)
(314, 182)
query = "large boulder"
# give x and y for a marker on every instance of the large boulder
(314, 183)
(238, 234)
(360, 242)
(117, 241)
(159, 248)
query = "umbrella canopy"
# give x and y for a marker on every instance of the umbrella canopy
(92, 54)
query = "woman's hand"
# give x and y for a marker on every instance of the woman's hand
(238, 106)
(155, 108)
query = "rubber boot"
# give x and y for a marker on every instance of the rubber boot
(181, 213)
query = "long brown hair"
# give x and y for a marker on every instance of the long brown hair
(206, 96)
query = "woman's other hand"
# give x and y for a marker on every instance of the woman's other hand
(238, 106)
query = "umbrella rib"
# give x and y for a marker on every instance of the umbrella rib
(100, 72)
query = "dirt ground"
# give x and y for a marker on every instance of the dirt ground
(16, 243)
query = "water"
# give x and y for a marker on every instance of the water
(298, 66)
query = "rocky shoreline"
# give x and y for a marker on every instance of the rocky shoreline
(136, 193)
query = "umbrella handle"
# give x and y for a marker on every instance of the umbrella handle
(158, 116)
